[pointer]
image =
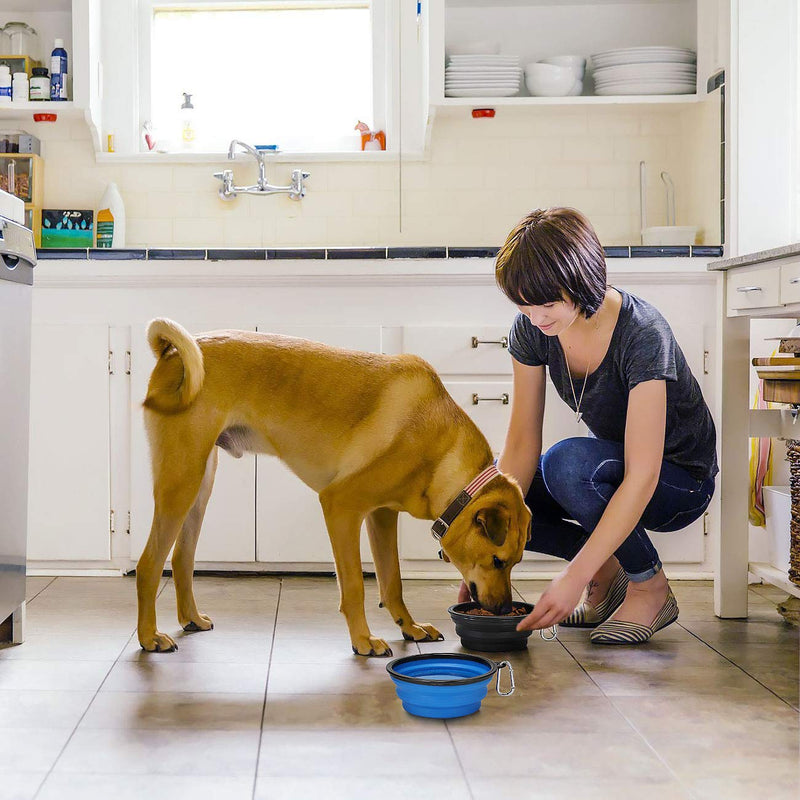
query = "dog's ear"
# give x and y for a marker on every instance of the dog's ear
(494, 522)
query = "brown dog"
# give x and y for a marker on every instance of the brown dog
(372, 434)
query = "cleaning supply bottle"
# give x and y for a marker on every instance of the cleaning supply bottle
(58, 71)
(187, 123)
(5, 83)
(111, 219)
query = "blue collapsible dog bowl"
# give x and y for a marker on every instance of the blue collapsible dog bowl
(445, 685)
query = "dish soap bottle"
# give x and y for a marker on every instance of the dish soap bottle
(187, 122)
(111, 219)
(58, 71)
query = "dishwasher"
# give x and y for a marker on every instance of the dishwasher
(17, 260)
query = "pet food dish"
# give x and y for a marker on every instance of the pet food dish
(445, 685)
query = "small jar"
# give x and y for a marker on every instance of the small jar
(19, 87)
(40, 84)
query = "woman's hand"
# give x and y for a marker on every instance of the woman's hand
(556, 604)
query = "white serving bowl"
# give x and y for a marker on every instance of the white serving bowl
(669, 234)
(577, 88)
(549, 80)
(577, 63)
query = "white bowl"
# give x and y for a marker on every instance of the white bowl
(577, 88)
(577, 63)
(549, 80)
(669, 234)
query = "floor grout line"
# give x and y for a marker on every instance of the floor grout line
(89, 705)
(739, 666)
(266, 686)
(633, 727)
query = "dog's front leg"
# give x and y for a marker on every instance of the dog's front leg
(382, 530)
(344, 530)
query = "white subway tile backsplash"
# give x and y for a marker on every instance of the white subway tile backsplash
(480, 178)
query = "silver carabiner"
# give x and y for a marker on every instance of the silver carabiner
(554, 634)
(510, 675)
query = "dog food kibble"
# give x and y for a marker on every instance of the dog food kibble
(519, 611)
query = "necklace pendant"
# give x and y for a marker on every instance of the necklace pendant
(578, 416)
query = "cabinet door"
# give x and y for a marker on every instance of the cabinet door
(68, 502)
(228, 532)
(290, 527)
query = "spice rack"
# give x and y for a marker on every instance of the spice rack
(26, 172)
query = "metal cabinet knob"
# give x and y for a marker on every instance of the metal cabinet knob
(748, 289)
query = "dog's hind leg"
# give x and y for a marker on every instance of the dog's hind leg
(344, 530)
(176, 486)
(382, 530)
(183, 556)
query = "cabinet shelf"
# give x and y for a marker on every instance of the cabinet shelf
(19, 110)
(586, 100)
(774, 576)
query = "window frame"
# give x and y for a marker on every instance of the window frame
(385, 49)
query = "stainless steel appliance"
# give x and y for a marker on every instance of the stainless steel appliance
(17, 260)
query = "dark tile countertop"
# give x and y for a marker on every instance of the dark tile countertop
(756, 258)
(354, 253)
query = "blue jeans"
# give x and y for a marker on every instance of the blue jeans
(576, 479)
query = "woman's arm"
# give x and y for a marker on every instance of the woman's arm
(523, 444)
(645, 425)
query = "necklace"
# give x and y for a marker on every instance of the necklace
(577, 400)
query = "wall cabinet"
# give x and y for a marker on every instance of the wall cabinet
(535, 29)
(89, 453)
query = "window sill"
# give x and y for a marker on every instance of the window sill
(278, 158)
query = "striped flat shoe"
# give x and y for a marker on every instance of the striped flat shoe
(617, 631)
(589, 616)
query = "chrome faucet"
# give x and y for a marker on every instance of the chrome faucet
(296, 189)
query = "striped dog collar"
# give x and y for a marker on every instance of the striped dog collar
(443, 523)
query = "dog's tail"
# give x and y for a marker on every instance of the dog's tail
(163, 335)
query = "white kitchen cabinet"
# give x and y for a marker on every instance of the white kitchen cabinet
(290, 527)
(261, 517)
(68, 507)
(229, 526)
(535, 29)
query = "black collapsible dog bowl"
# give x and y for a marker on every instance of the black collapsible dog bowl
(445, 685)
(490, 634)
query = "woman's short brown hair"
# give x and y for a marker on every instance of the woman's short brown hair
(553, 252)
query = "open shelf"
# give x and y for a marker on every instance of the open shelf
(774, 576)
(66, 108)
(584, 100)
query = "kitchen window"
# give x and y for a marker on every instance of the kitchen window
(298, 75)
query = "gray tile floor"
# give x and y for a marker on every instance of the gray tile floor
(272, 704)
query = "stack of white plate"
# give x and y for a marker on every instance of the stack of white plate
(645, 70)
(482, 76)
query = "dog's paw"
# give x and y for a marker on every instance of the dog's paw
(159, 643)
(202, 623)
(422, 632)
(372, 647)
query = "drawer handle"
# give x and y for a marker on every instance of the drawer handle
(502, 399)
(749, 289)
(795, 280)
(502, 341)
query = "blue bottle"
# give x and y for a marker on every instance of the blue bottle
(58, 71)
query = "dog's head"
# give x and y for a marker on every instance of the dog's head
(487, 539)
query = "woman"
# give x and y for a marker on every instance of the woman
(650, 460)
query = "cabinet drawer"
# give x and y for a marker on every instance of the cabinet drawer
(488, 403)
(790, 283)
(754, 288)
(457, 350)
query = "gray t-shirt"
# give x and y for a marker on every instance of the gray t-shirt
(642, 348)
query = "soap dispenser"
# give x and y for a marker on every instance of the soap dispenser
(187, 123)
